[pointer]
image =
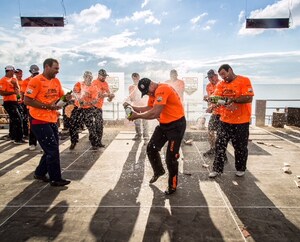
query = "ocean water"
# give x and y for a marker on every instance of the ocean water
(283, 92)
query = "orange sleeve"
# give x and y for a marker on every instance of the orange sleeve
(33, 88)
(247, 89)
(161, 95)
(77, 87)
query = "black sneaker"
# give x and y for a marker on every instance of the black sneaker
(20, 142)
(210, 152)
(41, 178)
(137, 137)
(72, 146)
(101, 145)
(170, 191)
(156, 176)
(60, 183)
(95, 148)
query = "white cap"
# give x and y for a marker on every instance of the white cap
(10, 68)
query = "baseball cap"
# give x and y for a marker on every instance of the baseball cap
(87, 74)
(102, 72)
(211, 73)
(10, 68)
(18, 70)
(173, 72)
(144, 85)
(34, 69)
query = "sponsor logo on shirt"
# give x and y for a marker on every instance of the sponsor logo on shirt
(29, 91)
(159, 99)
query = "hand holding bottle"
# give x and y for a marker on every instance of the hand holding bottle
(64, 99)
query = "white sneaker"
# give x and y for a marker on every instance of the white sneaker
(32, 147)
(240, 173)
(213, 174)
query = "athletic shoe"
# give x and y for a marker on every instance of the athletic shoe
(72, 146)
(156, 176)
(170, 191)
(137, 137)
(32, 147)
(41, 178)
(20, 142)
(240, 173)
(214, 174)
(210, 152)
(60, 183)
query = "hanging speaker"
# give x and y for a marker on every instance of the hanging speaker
(267, 23)
(42, 21)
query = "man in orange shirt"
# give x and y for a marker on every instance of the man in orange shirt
(34, 70)
(85, 95)
(42, 93)
(163, 104)
(9, 89)
(214, 121)
(176, 83)
(22, 106)
(102, 88)
(235, 119)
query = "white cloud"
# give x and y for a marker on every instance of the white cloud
(197, 19)
(279, 9)
(147, 15)
(102, 63)
(175, 28)
(208, 25)
(145, 3)
(92, 15)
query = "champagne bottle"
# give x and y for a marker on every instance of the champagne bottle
(128, 111)
(218, 100)
(63, 100)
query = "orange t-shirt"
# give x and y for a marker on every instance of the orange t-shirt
(100, 87)
(84, 93)
(235, 113)
(45, 91)
(7, 86)
(20, 82)
(25, 84)
(167, 96)
(210, 88)
(178, 85)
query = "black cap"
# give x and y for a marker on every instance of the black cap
(211, 73)
(144, 85)
(102, 72)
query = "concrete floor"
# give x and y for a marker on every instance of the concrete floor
(110, 199)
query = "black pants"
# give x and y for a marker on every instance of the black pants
(238, 134)
(173, 134)
(32, 138)
(15, 120)
(83, 116)
(24, 115)
(98, 125)
(47, 135)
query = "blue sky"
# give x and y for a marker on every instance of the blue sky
(154, 36)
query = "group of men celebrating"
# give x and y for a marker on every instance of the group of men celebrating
(165, 103)
(88, 99)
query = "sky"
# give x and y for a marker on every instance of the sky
(154, 36)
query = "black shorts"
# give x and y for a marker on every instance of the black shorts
(214, 122)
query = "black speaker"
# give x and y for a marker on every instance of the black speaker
(42, 21)
(293, 116)
(267, 23)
